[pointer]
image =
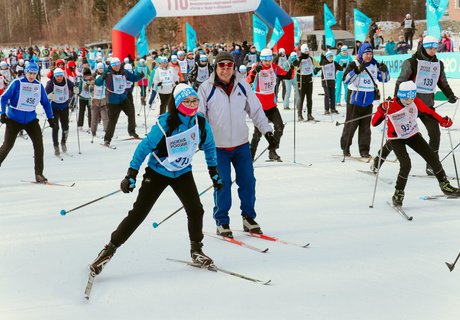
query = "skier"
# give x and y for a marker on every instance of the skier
(226, 101)
(263, 77)
(171, 143)
(143, 83)
(59, 91)
(427, 72)
(22, 98)
(164, 81)
(84, 98)
(403, 131)
(280, 59)
(200, 72)
(328, 69)
(343, 59)
(291, 84)
(98, 101)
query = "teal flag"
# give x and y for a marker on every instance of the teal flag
(434, 11)
(142, 44)
(297, 31)
(362, 23)
(260, 32)
(329, 21)
(191, 37)
(276, 34)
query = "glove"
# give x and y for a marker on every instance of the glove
(129, 182)
(316, 70)
(271, 140)
(177, 82)
(160, 84)
(76, 90)
(141, 74)
(217, 181)
(52, 122)
(3, 118)
(258, 68)
(360, 68)
(453, 99)
(383, 67)
(50, 96)
(445, 122)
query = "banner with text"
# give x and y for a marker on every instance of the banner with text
(362, 23)
(183, 8)
(434, 11)
(260, 32)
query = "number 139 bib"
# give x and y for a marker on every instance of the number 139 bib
(427, 76)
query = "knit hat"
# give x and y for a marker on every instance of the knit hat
(344, 48)
(304, 48)
(100, 65)
(243, 68)
(266, 55)
(114, 62)
(224, 55)
(329, 54)
(182, 91)
(173, 58)
(58, 72)
(32, 68)
(407, 90)
(203, 58)
(430, 42)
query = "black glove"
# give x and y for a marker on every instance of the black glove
(258, 68)
(52, 122)
(383, 67)
(141, 74)
(217, 181)
(129, 182)
(453, 99)
(3, 118)
(160, 84)
(177, 82)
(271, 140)
(360, 68)
(316, 70)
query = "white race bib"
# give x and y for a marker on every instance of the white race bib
(119, 83)
(203, 74)
(183, 66)
(405, 122)
(29, 96)
(267, 81)
(328, 71)
(166, 76)
(427, 76)
(99, 92)
(306, 67)
(61, 93)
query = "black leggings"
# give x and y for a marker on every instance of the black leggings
(164, 100)
(419, 145)
(349, 129)
(84, 104)
(114, 112)
(273, 116)
(35, 133)
(61, 116)
(306, 91)
(152, 187)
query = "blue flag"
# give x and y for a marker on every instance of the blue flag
(297, 31)
(434, 11)
(276, 34)
(362, 23)
(260, 32)
(191, 37)
(142, 44)
(329, 21)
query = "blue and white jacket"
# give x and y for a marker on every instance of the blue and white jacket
(11, 96)
(154, 142)
(114, 98)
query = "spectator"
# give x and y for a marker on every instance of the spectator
(409, 29)
(390, 47)
(402, 47)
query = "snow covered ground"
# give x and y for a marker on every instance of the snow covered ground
(362, 263)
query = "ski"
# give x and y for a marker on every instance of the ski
(400, 210)
(237, 242)
(311, 121)
(271, 238)
(89, 284)
(360, 159)
(440, 196)
(108, 146)
(427, 176)
(271, 160)
(370, 173)
(49, 183)
(214, 268)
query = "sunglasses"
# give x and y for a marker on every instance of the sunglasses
(226, 64)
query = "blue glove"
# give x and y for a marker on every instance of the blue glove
(217, 181)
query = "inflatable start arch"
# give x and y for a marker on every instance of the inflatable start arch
(125, 31)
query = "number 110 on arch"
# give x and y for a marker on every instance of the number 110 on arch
(177, 4)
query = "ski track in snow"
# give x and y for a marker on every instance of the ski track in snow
(362, 263)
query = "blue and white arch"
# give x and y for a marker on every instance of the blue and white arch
(143, 13)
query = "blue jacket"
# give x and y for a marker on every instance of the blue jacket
(151, 144)
(11, 97)
(114, 98)
(50, 88)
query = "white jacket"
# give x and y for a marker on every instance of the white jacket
(227, 114)
(166, 86)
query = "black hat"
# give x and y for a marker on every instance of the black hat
(224, 55)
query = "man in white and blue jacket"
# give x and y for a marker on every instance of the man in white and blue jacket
(361, 76)
(116, 78)
(22, 98)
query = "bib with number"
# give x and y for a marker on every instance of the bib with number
(61, 93)
(427, 76)
(85, 92)
(191, 63)
(405, 122)
(267, 81)
(306, 67)
(99, 92)
(252, 59)
(181, 148)
(364, 82)
(119, 83)
(29, 96)
(203, 74)
(329, 71)
(281, 60)
(166, 76)
(6, 74)
(408, 24)
(183, 66)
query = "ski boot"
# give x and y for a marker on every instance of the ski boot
(57, 153)
(103, 258)
(300, 118)
(375, 164)
(310, 117)
(63, 141)
(327, 112)
(398, 198)
(40, 178)
(198, 257)
(224, 231)
(135, 135)
(250, 225)
(273, 156)
(448, 189)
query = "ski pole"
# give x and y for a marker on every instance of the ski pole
(145, 112)
(64, 212)
(451, 266)
(441, 104)
(78, 133)
(354, 119)
(381, 143)
(156, 225)
(450, 152)
(452, 148)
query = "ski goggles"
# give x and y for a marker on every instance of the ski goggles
(226, 64)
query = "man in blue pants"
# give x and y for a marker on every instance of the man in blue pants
(226, 100)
